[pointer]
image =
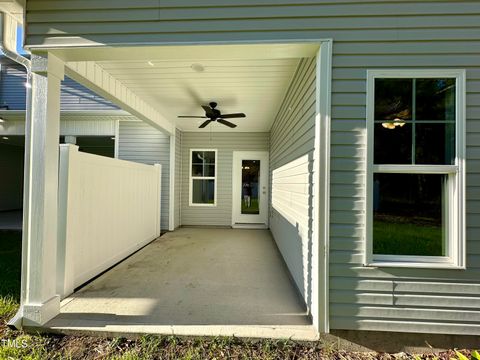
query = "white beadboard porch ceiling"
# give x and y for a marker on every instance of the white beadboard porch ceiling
(253, 86)
(248, 78)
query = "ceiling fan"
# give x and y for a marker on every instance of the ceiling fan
(212, 114)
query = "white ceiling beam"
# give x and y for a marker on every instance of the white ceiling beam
(93, 76)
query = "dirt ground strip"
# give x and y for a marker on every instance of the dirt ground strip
(17, 345)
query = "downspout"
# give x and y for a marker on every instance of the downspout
(16, 321)
(8, 53)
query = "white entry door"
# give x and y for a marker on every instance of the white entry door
(250, 189)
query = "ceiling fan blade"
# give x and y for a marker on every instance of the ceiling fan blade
(191, 117)
(205, 124)
(208, 111)
(228, 123)
(231, 116)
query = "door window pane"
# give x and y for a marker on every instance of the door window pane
(203, 191)
(250, 183)
(409, 214)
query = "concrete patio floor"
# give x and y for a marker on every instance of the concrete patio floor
(193, 281)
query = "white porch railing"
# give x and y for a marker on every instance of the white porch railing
(108, 209)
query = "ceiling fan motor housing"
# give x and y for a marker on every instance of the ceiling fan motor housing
(212, 114)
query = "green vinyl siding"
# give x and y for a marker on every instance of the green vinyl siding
(140, 142)
(366, 35)
(291, 168)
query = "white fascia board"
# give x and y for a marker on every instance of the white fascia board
(74, 49)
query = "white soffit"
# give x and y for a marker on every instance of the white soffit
(252, 79)
(254, 87)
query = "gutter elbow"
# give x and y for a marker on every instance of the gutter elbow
(4, 29)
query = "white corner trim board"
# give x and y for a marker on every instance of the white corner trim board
(321, 189)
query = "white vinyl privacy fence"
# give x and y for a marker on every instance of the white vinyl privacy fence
(108, 208)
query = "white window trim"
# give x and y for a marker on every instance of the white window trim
(456, 258)
(190, 190)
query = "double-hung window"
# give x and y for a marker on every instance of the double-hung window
(415, 168)
(203, 177)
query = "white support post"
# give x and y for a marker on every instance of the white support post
(171, 205)
(40, 301)
(159, 207)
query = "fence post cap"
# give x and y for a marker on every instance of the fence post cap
(69, 146)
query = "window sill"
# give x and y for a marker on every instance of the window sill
(414, 265)
(202, 205)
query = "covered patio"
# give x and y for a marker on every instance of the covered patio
(194, 281)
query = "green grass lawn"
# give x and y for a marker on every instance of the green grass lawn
(252, 209)
(10, 262)
(397, 238)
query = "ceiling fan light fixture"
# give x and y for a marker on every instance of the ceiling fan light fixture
(393, 124)
(398, 122)
(388, 125)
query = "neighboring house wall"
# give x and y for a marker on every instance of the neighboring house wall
(12, 86)
(11, 176)
(77, 97)
(178, 178)
(291, 165)
(73, 96)
(90, 127)
(142, 143)
(225, 143)
(366, 35)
